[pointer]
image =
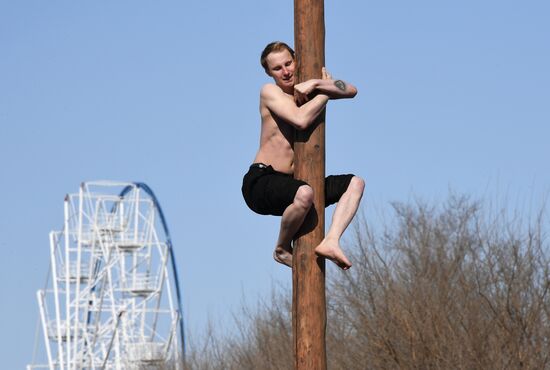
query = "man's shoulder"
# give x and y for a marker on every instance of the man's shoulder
(270, 89)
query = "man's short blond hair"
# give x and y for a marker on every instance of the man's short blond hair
(273, 47)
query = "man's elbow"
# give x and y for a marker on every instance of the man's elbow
(352, 91)
(301, 123)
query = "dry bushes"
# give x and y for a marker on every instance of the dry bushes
(264, 340)
(445, 287)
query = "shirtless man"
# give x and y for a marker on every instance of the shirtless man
(269, 187)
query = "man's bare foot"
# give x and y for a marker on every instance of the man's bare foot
(332, 251)
(283, 255)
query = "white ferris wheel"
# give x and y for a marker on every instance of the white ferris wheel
(112, 297)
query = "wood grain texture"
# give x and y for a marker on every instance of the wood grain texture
(308, 278)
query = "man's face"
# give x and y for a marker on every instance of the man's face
(280, 66)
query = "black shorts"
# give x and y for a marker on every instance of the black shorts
(269, 192)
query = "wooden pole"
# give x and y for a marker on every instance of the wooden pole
(308, 277)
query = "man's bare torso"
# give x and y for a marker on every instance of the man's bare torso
(276, 141)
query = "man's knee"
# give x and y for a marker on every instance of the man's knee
(357, 185)
(304, 196)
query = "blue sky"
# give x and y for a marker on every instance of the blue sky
(452, 95)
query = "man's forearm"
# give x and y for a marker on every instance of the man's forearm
(335, 89)
(310, 110)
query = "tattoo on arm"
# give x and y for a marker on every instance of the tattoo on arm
(340, 84)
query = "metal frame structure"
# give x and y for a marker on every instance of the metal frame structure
(112, 300)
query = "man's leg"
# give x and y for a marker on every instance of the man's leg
(292, 219)
(343, 214)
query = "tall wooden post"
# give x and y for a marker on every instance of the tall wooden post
(308, 277)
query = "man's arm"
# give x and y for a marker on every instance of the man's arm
(334, 89)
(280, 105)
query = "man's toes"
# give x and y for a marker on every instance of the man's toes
(283, 258)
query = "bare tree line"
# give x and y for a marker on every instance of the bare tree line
(441, 287)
